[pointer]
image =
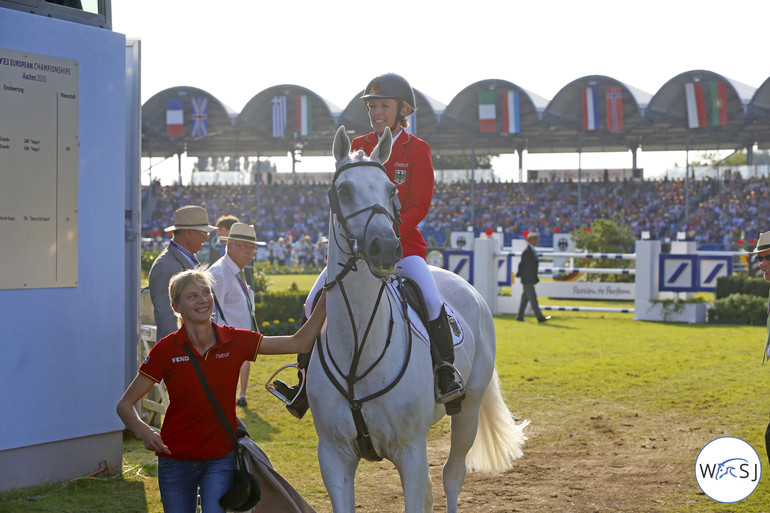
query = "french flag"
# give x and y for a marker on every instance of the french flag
(590, 109)
(174, 117)
(511, 118)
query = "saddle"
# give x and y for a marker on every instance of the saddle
(415, 299)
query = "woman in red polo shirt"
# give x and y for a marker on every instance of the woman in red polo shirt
(194, 450)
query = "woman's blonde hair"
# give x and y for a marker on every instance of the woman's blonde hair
(201, 276)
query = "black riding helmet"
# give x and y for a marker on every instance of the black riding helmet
(390, 85)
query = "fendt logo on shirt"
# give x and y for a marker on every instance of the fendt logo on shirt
(180, 359)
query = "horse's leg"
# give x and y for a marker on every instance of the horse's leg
(412, 464)
(338, 471)
(464, 426)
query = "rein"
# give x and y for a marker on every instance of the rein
(363, 438)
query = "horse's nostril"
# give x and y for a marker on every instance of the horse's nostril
(375, 248)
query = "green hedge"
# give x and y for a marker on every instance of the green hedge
(739, 309)
(283, 306)
(740, 283)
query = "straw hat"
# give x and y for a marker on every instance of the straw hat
(244, 233)
(763, 244)
(191, 217)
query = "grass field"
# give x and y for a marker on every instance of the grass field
(620, 410)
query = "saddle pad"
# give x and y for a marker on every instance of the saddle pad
(458, 335)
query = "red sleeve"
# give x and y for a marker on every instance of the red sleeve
(153, 365)
(416, 201)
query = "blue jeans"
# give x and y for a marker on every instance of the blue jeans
(179, 481)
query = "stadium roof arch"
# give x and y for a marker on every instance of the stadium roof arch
(459, 127)
(219, 130)
(580, 117)
(758, 119)
(669, 127)
(255, 122)
(659, 122)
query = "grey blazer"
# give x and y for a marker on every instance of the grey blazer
(169, 262)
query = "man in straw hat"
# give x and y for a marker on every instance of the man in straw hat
(527, 272)
(190, 230)
(762, 252)
(233, 298)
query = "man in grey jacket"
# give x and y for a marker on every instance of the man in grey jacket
(190, 230)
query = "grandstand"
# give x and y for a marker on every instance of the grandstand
(721, 211)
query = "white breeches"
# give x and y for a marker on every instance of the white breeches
(413, 267)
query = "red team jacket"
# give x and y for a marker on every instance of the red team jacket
(409, 167)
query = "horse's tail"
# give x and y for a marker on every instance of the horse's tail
(499, 438)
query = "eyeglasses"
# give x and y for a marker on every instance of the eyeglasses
(759, 258)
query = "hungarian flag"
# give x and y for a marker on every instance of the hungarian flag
(304, 115)
(200, 116)
(511, 122)
(487, 114)
(174, 117)
(614, 99)
(590, 109)
(719, 103)
(279, 116)
(696, 106)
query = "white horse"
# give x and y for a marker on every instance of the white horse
(370, 383)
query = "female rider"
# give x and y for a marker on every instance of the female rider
(389, 100)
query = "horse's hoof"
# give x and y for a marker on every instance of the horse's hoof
(454, 407)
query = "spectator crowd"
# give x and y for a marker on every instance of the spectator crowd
(296, 215)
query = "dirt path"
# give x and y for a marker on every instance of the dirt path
(610, 461)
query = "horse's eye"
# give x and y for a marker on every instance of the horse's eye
(344, 192)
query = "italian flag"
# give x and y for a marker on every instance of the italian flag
(304, 115)
(487, 115)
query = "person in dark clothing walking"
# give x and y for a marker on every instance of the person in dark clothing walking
(527, 272)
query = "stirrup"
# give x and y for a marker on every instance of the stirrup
(271, 388)
(445, 398)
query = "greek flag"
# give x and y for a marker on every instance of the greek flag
(279, 116)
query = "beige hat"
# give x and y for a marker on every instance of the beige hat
(244, 233)
(763, 244)
(191, 217)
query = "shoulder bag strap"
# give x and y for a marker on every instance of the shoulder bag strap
(210, 394)
(219, 309)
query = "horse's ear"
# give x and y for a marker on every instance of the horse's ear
(381, 152)
(341, 145)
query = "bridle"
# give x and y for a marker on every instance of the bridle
(363, 439)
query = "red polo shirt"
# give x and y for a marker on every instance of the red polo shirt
(409, 167)
(191, 428)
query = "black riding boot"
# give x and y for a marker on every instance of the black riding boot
(450, 391)
(297, 394)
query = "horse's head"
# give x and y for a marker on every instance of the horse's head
(365, 204)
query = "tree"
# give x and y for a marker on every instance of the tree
(605, 236)
(461, 161)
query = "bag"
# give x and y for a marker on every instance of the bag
(244, 493)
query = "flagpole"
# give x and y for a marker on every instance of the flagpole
(687, 182)
(473, 180)
(580, 174)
